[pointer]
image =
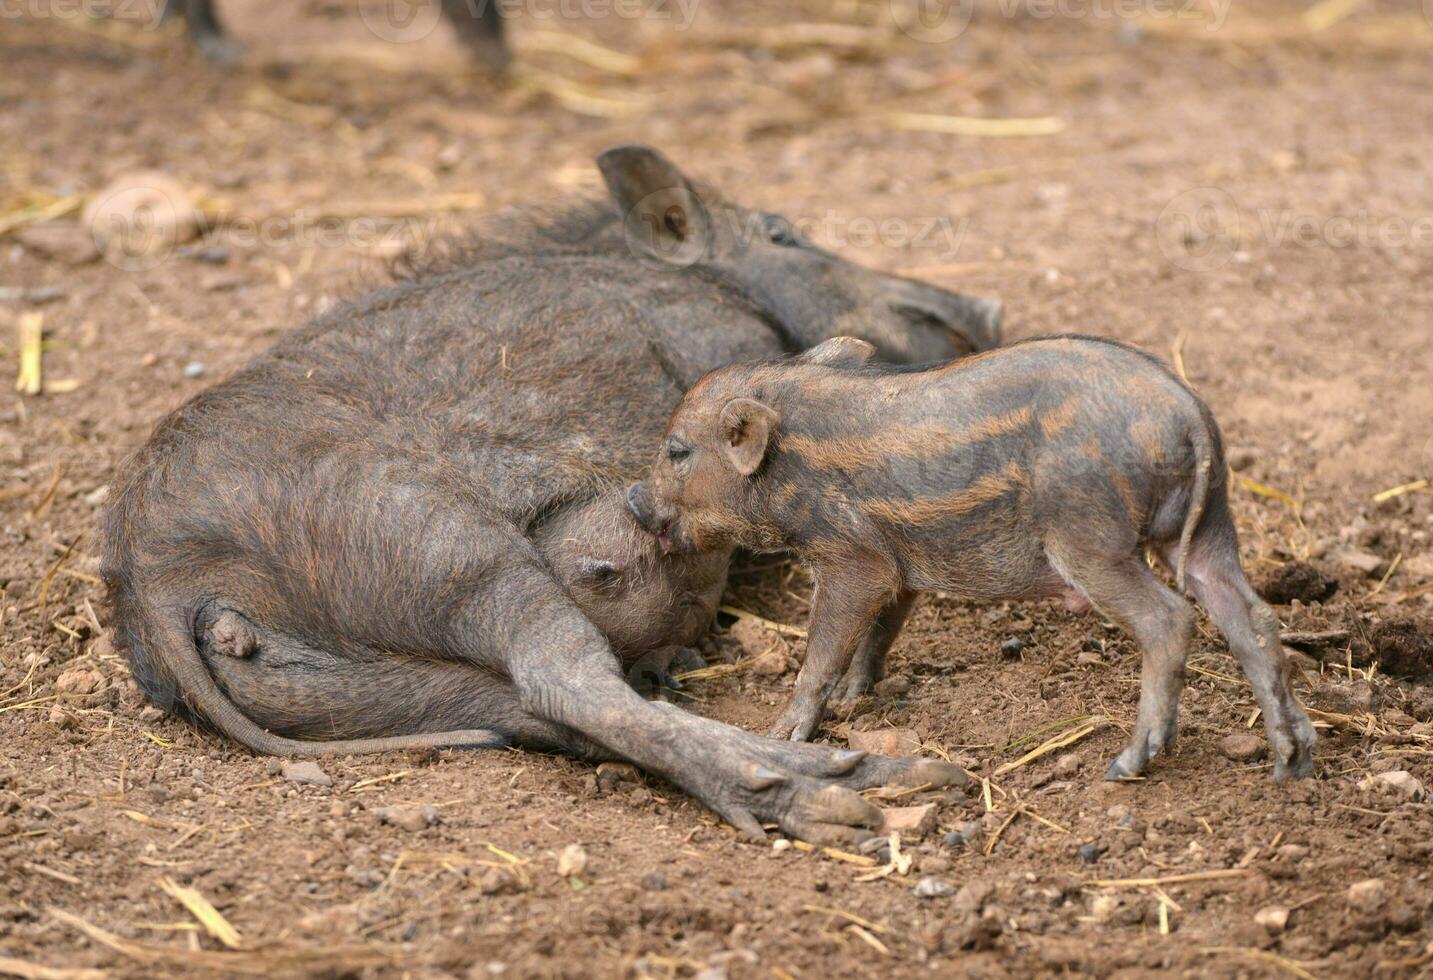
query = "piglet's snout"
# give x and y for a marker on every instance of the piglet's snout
(639, 502)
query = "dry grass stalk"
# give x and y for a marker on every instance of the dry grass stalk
(1325, 14)
(209, 917)
(1172, 879)
(775, 627)
(26, 970)
(30, 330)
(831, 852)
(1399, 490)
(579, 49)
(926, 122)
(1050, 745)
(33, 213)
(261, 963)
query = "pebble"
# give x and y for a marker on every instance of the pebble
(893, 687)
(1273, 918)
(1243, 747)
(79, 680)
(973, 895)
(1068, 764)
(409, 818)
(1292, 853)
(655, 881)
(140, 214)
(1012, 648)
(1240, 458)
(913, 820)
(194, 369)
(964, 836)
(572, 861)
(781, 844)
(1089, 853)
(1403, 783)
(1103, 907)
(1358, 560)
(933, 888)
(1368, 895)
(305, 772)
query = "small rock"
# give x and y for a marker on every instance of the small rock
(887, 741)
(780, 844)
(1068, 764)
(1403, 783)
(1240, 458)
(79, 680)
(572, 861)
(1243, 747)
(655, 881)
(409, 818)
(1368, 895)
(893, 687)
(963, 837)
(973, 895)
(140, 217)
(1419, 566)
(305, 772)
(913, 820)
(1104, 907)
(933, 888)
(1012, 648)
(495, 881)
(1273, 918)
(1292, 853)
(1297, 580)
(1089, 853)
(1360, 561)
(194, 369)
(877, 847)
(934, 864)
(754, 638)
(61, 718)
(64, 241)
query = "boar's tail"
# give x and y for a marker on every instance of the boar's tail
(165, 632)
(1206, 453)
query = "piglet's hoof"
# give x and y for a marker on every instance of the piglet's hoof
(799, 722)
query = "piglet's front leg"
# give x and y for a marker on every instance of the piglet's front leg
(846, 605)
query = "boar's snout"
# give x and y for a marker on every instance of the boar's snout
(643, 508)
(974, 321)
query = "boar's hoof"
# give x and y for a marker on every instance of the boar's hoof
(758, 778)
(1294, 757)
(1124, 768)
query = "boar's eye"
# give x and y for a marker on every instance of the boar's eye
(597, 570)
(780, 232)
(677, 453)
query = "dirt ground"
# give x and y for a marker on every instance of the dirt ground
(1250, 200)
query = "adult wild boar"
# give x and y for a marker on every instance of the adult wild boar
(366, 494)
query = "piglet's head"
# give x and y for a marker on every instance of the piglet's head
(692, 501)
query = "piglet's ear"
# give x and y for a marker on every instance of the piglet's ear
(839, 352)
(747, 425)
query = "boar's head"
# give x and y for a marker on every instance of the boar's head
(810, 294)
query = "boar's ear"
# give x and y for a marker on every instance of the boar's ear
(839, 352)
(663, 217)
(746, 427)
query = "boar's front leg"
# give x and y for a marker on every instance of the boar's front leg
(565, 673)
(848, 603)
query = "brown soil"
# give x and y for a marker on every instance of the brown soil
(1313, 351)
